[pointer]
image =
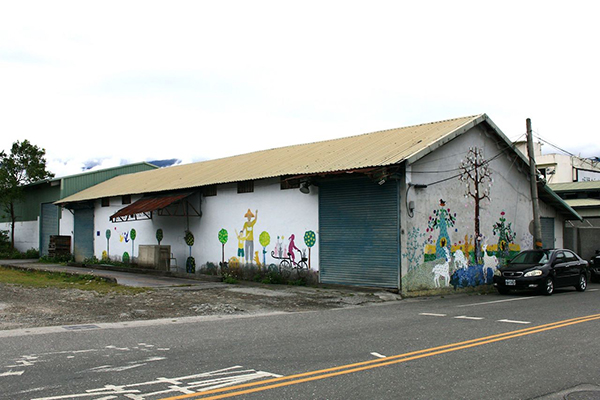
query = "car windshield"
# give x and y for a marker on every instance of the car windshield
(532, 257)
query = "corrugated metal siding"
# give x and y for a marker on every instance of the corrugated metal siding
(83, 233)
(76, 183)
(358, 233)
(547, 232)
(49, 226)
(29, 208)
(375, 149)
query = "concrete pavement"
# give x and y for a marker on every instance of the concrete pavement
(134, 278)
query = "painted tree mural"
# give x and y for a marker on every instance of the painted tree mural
(506, 236)
(441, 220)
(159, 235)
(414, 246)
(477, 178)
(310, 238)
(223, 238)
(190, 263)
(132, 236)
(264, 239)
(107, 234)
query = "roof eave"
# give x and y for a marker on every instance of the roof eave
(556, 200)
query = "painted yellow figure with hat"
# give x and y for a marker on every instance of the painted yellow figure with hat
(249, 235)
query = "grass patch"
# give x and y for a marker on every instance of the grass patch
(62, 280)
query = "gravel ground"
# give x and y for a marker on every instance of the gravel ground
(24, 307)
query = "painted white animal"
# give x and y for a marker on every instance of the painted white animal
(460, 262)
(489, 262)
(442, 270)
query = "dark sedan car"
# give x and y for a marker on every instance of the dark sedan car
(542, 270)
(595, 267)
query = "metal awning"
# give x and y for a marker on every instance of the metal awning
(147, 205)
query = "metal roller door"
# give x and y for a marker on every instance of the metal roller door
(83, 243)
(547, 232)
(49, 226)
(358, 233)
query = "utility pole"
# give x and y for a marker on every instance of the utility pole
(537, 227)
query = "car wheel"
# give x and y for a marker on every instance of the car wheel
(582, 285)
(502, 290)
(548, 287)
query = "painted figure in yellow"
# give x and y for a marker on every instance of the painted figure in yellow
(249, 233)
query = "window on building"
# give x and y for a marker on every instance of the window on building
(245, 187)
(126, 199)
(209, 190)
(286, 183)
(105, 202)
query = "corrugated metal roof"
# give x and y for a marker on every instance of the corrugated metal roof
(375, 149)
(575, 186)
(148, 204)
(576, 203)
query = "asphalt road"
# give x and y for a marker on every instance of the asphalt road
(457, 347)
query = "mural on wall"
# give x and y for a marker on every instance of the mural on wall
(223, 238)
(310, 238)
(248, 233)
(284, 250)
(190, 263)
(414, 245)
(441, 220)
(107, 234)
(132, 236)
(506, 237)
(264, 240)
(434, 261)
(159, 235)
(476, 174)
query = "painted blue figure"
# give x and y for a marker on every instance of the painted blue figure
(442, 220)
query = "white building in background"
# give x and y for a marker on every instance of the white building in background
(562, 168)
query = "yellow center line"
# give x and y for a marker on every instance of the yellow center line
(381, 362)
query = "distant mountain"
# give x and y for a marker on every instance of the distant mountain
(165, 163)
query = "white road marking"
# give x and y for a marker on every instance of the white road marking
(432, 314)
(172, 386)
(496, 301)
(511, 321)
(470, 318)
(378, 355)
(12, 373)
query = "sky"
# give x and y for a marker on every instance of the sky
(101, 84)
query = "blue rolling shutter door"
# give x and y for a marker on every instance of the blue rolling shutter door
(83, 241)
(49, 226)
(358, 233)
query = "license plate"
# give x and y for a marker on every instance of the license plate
(510, 282)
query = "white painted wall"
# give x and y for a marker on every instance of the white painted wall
(27, 234)
(66, 224)
(280, 213)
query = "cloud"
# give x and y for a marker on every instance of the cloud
(200, 80)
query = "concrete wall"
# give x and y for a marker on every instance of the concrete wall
(438, 226)
(279, 213)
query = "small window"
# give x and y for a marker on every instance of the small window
(245, 187)
(209, 190)
(289, 183)
(126, 199)
(105, 202)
